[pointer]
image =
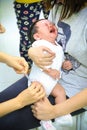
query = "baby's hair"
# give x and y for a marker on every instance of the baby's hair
(32, 30)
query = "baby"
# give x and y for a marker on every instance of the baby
(44, 33)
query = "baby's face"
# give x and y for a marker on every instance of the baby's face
(46, 30)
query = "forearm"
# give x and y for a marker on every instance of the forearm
(26, 97)
(76, 102)
(3, 57)
(9, 106)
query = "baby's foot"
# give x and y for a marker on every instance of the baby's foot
(47, 125)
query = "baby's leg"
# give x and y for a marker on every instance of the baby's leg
(46, 125)
(60, 96)
(59, 93)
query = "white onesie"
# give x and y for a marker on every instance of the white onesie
(37, 74)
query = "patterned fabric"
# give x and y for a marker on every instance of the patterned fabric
(26, 14)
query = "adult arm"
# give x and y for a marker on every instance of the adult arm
(17, 63)
(43, 110)
(30, 95)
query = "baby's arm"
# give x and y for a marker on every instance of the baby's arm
(53, 73)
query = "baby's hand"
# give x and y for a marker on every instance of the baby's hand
(53, 73)
(67, 65)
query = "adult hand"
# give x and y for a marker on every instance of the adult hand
(2, 29)
(18, 64)
(31, 95)
(40, 58)
(43, 110)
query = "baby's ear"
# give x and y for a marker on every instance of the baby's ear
(36, 36)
